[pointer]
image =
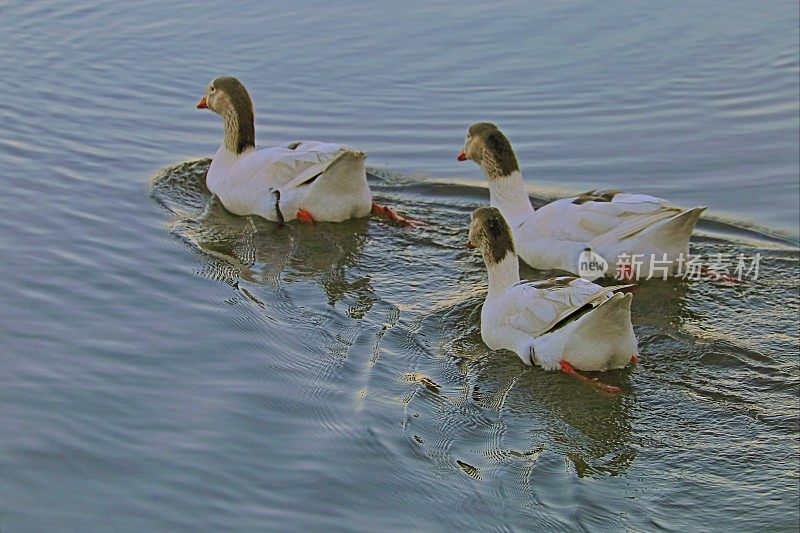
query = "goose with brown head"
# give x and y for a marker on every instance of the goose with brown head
(490, 149)
(227, 97)
(560, 324)
(489, 231)
(303, 180)
(613, 224)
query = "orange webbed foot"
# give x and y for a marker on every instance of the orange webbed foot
(634, 359)
(567, 368)
(304, 217)
(391, 214)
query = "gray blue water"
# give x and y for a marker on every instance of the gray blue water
(169, 366)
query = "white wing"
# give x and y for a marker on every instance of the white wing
(536, 307)
(625, 215)
(280, 165)
(248, 186)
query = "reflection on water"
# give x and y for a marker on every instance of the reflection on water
(164, 369)
(359, 343)
(257, 251)
(591, 430)
(250, 254)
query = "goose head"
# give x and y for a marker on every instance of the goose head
(227, 97)
(490, 149)
(489, 232)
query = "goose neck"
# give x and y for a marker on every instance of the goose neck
(503, 274)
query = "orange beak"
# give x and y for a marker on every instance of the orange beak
(202, 104)
(462, 156)
(470, 246)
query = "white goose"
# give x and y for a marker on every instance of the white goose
(639, 234)
(561, 323)
(303, 180)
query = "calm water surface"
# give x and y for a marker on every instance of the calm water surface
(169, 366)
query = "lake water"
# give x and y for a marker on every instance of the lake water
(169, 366)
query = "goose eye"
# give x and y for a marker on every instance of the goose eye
(212, 89)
